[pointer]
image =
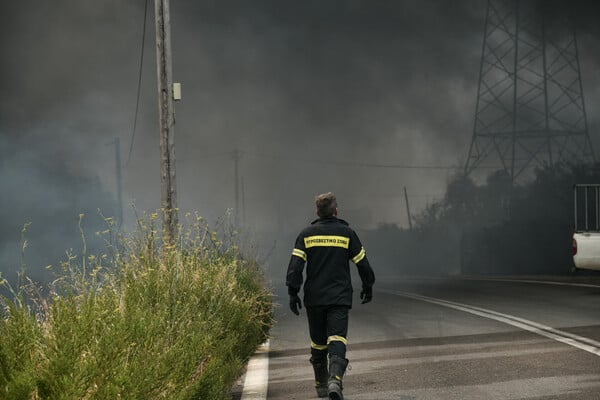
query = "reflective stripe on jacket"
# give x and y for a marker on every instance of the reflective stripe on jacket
(326, 247)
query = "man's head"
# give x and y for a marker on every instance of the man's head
(326, 205)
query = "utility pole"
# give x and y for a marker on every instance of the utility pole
(407, 209)
(243, 203)
(236, 160)
(119, 181)
(166, 118)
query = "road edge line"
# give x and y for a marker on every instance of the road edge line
(256, 381)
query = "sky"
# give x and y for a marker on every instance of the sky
(310, 92)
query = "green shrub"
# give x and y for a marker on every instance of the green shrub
(149, 321)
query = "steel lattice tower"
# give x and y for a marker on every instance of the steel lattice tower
(530, 109)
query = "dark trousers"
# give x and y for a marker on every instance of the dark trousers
(328, 326)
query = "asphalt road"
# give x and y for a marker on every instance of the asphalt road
(455, 339)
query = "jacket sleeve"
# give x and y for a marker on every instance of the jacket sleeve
(294, 277)
(358, 255)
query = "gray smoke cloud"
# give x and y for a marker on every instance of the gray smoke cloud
(292, 85)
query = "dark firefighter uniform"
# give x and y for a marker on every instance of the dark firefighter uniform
(326, 247)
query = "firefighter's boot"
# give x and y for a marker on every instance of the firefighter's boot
(321, 376)
(337, 367)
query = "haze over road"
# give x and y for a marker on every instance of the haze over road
(455, 339)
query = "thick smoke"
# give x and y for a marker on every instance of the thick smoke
(295, 86)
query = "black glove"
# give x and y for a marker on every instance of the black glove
(367, 294)
(295, 303)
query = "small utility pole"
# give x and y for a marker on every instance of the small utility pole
(166, 118)
(236, 160)
(243, 203)
(119, 181)
(407, 209)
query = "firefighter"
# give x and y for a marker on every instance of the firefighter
(326, 246)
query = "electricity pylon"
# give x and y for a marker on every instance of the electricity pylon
(530, 109)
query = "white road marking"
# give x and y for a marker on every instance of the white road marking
(532, 281)
(580, 342)
(257, 375)
(477, 278)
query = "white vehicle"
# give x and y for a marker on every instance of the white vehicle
(586, 237)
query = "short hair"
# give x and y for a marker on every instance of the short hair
(326, 204)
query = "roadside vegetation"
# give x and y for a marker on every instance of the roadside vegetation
(143, 320)
(490, 228)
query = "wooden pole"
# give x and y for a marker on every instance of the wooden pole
(236, 159)
(119, 181)
(243, 203)
(407, 209)
(166, 118)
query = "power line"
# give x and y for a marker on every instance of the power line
(139, 87)
(343, 163)
(356, 164)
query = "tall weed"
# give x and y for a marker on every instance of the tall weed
(146, 320)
